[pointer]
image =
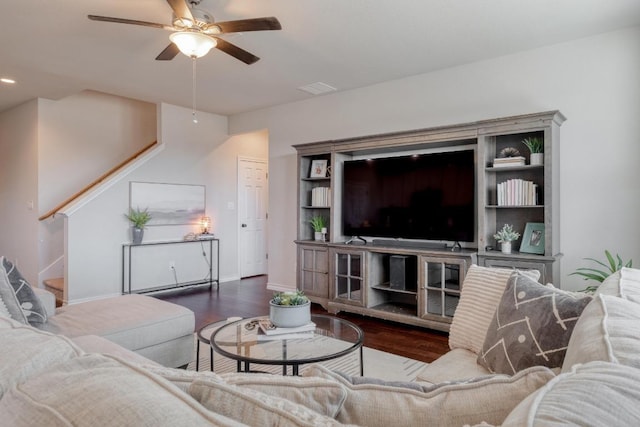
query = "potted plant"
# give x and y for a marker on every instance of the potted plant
(319, 225)
(505, 237)
(138, 221)
(289, 309)
(536, 148)
(611, 266)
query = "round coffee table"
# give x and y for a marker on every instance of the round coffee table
(332, 338)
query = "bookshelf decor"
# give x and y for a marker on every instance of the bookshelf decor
(318, 169)
(533, 238)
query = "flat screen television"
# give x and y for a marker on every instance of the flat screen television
(427, 197)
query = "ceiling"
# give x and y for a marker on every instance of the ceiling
(52, 50)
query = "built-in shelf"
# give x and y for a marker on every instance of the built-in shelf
(356, 277)
(387, 288)
(513, 168)
(514, 206)
(316, 179)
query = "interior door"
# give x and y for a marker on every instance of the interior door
(252, 215)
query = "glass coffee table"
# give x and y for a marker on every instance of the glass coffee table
(333, 338)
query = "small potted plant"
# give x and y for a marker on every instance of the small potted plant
(138, 221)
(289, 309)
(505, 237)
(319, 225)
(536, 148)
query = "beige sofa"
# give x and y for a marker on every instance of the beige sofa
(155, 329)
(597, 382)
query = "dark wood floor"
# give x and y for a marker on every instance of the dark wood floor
(250, 297)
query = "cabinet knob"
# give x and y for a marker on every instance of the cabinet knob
(244, 225)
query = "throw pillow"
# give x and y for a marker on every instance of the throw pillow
(624, 283)
(489, 398)
(30, 304)
(98, 390)
(595, 394)
(28, 352)
(481, 292)
(248, 406)
(9, 300)
(531, 327)
(608, 331)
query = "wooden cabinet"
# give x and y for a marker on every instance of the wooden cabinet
(358, 276)
(313, 272)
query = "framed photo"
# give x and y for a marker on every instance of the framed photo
(533, 238)
(318, 169)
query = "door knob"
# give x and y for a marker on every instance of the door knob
(244, 225)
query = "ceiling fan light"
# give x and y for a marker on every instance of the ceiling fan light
(193, 44)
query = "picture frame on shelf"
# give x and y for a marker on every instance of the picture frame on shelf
(318, 169)
(533, 238)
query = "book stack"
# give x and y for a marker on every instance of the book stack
(503, 162)
(268, 331)
(517, 192)
(321, 196)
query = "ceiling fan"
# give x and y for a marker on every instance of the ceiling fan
(195, 32)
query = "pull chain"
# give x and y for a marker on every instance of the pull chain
(193, 93)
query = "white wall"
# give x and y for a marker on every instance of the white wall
(199, 154)
(84, 135)
(80, 138)
(19, 188)
(593, 82)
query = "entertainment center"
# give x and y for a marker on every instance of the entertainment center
(407, 214)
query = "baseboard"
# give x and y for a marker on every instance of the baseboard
(277, 287)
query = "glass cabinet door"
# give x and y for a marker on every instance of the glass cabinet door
(440, 288)
(348, 276)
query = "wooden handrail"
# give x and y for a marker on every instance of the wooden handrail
(98, 181)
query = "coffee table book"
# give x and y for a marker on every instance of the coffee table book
(267, 328)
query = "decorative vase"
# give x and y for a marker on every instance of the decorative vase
(536, 159)
(136, 235)
(505, 247)
(317, 235)
(290, 316)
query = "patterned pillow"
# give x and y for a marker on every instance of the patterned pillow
(532, 326)
(9, 301)
(30, 304)
(481, 292)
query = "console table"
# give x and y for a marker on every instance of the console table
(130, 250)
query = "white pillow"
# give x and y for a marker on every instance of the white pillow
(608, 330)
(26, 352)
(490, 398)
(595, 394)
(624, 283)
(253, 407)
(98, 390)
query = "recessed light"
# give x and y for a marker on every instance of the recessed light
(7, 80)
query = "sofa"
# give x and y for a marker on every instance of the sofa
(154, 329)
(587, 374)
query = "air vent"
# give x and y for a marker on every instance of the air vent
(317, 88)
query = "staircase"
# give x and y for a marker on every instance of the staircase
(56, 287)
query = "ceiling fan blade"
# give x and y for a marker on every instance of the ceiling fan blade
(168, 53)
(236, 52)
(130, 21)
(255, 24)
(180, 9)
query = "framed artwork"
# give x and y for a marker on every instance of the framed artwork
(168, 204)
(318, 169)
(533, 238)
